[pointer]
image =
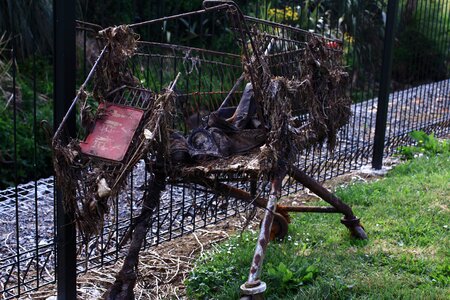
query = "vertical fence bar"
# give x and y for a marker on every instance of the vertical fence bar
(64, 92)
(385, 81)
(35, 175)
(16, 181)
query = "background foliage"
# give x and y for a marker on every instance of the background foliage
(33, 111)
(421, 50)
(421, 53)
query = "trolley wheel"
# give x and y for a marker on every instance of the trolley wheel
(355, 228)
(252, 297)
(358, 232)
(279, 227)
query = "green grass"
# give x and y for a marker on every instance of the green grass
(407, 255)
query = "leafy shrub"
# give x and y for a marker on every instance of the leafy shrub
(27, 149)
(290, 279)
(425, 144)
(421, 47)
(418, 58)
(30, 164)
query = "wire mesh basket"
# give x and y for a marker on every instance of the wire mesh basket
(132, 73)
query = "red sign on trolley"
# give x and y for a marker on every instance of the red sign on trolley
(113, 132)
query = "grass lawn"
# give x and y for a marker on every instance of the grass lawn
(407, 256)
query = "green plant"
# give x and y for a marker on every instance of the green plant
(226, 267)
(290, 279)
(406, 256)
(24, 145)
(426, 144)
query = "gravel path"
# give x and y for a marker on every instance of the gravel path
(27, 216)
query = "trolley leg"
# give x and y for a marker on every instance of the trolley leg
(122, 288)
(253, 187)
(254, 287)
(349, 219)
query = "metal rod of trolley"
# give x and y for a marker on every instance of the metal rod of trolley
(77, 97)
(254, 287)
(201, 11)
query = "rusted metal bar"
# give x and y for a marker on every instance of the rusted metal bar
(322, 192)
(218, 7)
(253, 187)
(122, 288)
(349, 220)
(263, 241)
(183, 48)
(318, 209)
(206, 93)
(77, 97)
(226, 101)
(212, 62)
(285, 27)
(254, 286)
(89, 24)
(227, 190)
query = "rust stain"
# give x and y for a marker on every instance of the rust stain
(263, 243)
(256, 261)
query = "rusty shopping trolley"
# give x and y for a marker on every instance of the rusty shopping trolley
(196, 113)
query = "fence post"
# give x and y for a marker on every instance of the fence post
(63, 93)
(385, 81)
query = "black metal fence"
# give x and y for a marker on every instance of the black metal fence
(385, 110)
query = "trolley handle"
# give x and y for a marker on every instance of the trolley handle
(207, 4)
(77, 97)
